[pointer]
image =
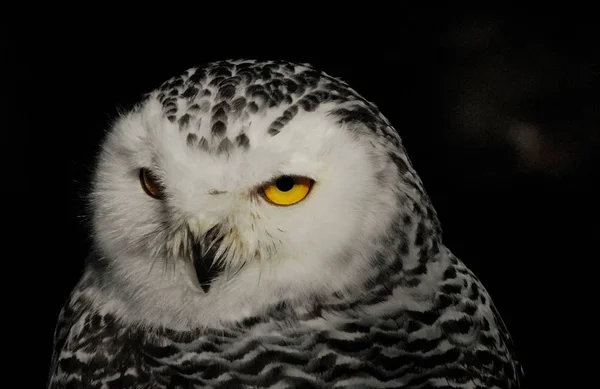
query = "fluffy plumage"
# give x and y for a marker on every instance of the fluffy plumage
(350, 288)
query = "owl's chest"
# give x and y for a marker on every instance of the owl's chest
(301, 358)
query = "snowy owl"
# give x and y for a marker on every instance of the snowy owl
(259, 224)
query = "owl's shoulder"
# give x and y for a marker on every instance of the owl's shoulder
(92, 348)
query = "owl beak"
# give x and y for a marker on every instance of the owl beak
(205, 261)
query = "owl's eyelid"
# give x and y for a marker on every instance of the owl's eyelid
(276, 177)
(152, 173)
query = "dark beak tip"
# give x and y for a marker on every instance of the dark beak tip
(205, 287)
(204, 259)
(206, 268)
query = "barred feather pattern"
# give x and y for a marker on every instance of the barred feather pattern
(458, 341)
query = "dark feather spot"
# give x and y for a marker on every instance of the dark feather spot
(449, 273)
(460, 326)
(184, 121)
(190, 93)
(203, 144)
(218, 128)
(451, 289)
(238, 104)
(226, 92)
(242, 140)
(191, 139)
(225, 146)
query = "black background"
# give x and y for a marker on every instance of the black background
(462, 91)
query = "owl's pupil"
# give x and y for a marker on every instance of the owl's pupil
(285, 183)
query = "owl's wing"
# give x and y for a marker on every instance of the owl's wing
(507, 339)
(92, 349)
(61, 331)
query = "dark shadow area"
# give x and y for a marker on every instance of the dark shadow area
(500, 116)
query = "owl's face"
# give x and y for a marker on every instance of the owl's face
(199, 226)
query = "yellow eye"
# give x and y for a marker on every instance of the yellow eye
(287, 190)
(150, 184)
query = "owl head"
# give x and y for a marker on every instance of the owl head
(242, 183)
